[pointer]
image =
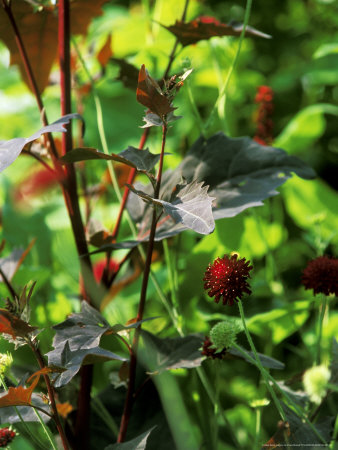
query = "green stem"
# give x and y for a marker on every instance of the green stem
(45, 429)
(259, 364)
(212, 396)
(199, 121)
(322, 310)
(171, 276)
(256, 445)
(223, 91)
(289, 400)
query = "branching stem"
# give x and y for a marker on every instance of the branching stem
(139, 317)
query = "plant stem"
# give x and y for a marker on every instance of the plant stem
(171, 276)
(82, 425)
(256, 445)
(45, 429)
(139, 317)
(172, 55)
(322, 310)
(223, 91)
(212, 396)
(259, 364)
(51, 394)
(298, 411)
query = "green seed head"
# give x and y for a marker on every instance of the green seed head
(223, 334)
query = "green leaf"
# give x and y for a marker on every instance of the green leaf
(240, 174)
(305, 128)
(266, 361)
(172, 353)
(82, 330)
(280, 323)
(72, 361)
(313, 204)
(138, 443)
(192, 208)
(141, 160)
(10, 150)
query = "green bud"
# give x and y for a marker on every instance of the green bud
(315, 381)
(223, 334)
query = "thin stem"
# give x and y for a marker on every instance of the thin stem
(322, 310)
(212, 396)
(9, 285)
(172, 55)
(259, 364)
(258, 428)
(139, 317)
(51, 394)
(131, 177)
(223, 91)
(298, 411)
(45, 429)
(171, 276)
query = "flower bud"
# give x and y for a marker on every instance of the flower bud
(315, 381)
(223, 334)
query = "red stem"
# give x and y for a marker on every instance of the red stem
(133, 360)
(131, 177)
(82, 425)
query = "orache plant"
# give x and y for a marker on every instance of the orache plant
(219, 177)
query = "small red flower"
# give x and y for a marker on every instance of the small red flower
(321, 275)
(208, 351)
(227, 277)
(100, 265)
(264, 132)
(6, 436)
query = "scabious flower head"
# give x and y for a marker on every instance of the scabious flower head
(315, 381)
(224, 334)
(227, 277)
(210, 351)
(321, 275)
(6, 436)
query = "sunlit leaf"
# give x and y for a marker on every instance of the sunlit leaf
(149, 94)
(20, 396)
(10, 150)
(10, 264)
(12, 325)
(105, 52)
(39, 32)
(138, 443)
(206, 28)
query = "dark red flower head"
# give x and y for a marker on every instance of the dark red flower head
(227, 277)
(6, 436)
(211, 352)
(321, 275)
